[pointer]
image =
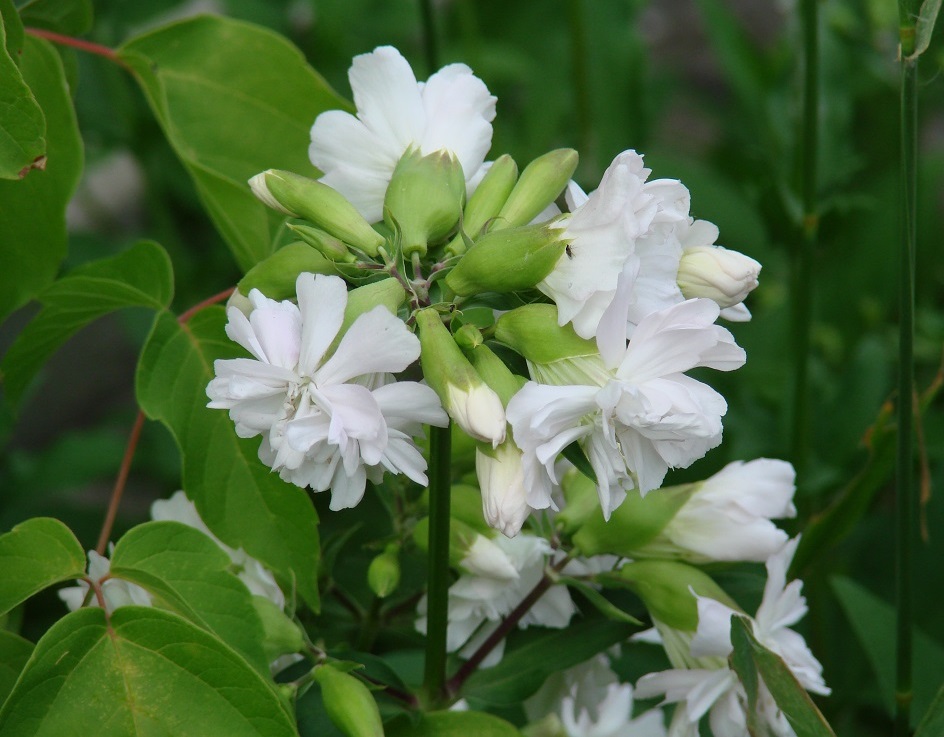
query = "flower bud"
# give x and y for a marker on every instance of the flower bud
(486, 202)
(348, 703)
(495, 373)
(275, 277)
(468, 400)
(665, 587)
(280, 634)
(326, 244)
(318, 203)
(383, 573)
(508, 260)
(533, 332)
(424, 199)
(538, 186)
(501, 479)
(717, 273)
(469, 550)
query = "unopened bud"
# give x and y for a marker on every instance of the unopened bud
(719, 274)
(318, 203)
(537, 187)
(275, 277)
(383, 573)
(533, 332)
(348, 703)
(280, 634)
(501, 478)
(494, 372)
(424, 199)
(486, 201)
(508, 260)
(324, 243)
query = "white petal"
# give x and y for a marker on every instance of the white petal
(377, 342)
(321, 300)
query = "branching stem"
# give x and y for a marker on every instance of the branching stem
(78, 43)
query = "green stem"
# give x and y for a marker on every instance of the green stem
(802, 288)
(581, 78)
(430, 44)
(905, 495)
(437, 599)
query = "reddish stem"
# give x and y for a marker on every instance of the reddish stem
(120, 484)
(78, 43)
(216, 298)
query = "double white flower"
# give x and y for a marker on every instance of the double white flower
(329, 416)
(633, 409)
(451, 111)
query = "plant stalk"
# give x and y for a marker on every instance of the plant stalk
(437, 607)
(430, 44)
(581, 78)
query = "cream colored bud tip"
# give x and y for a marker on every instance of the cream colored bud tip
(479, 412)
(260, 189)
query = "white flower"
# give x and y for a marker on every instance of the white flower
(115, 592)
(478, 603)
(329, 418)
(626, 223)
(728, 516)
(614, 717)
(452, 111)
(636, 414)
(485, 558)
(257, 578)
(585, 685)
(501, 479)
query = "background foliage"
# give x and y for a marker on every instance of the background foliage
(706, 89)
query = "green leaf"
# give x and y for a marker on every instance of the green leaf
(14, 652)
(71, 17)
(191, 574)
(794, 702)
(454, 724)
(933, 723)
(239, 498)
(522, 671)
(143, 672)
(12, 27)
(32, 218)
(34, 555)
(22, 124)
(924, 28)
(606, 607)
(233, 99)
(140, 277)
(873, 622)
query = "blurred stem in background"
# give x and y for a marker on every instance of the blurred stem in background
(905, 493)
(581, 80)
(430, 43)
(802, 288)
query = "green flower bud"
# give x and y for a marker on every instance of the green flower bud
(665, 587)
(508, 260)
(467, 399)
(280, 634)
(348, 703)
(495, 373)
(275, 277)
(318, 203)
(539, 185)
(533, 332)
(383, 573)
(387, 292)
(424, 199)
(326, 244)
(487, 201)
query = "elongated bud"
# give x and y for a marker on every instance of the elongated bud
(324, 243)
(533, 332)
(424, 199)
(494, 372)
(468, 400)
(538, 186)
(501, 479)
(719, 274)
(486, 202)
(318, 203)
(280, 634)
(275, 277)
(348, 703)
(665, 587)
(508, 260)
(383, 573)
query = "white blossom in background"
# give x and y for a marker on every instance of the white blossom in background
(614, 717)
(586, 685)
(478, 603)
(728, 516)
(257, 578)
(451, 111)
(329, 419)
(501, 479)
(635, 413)
(115, 591)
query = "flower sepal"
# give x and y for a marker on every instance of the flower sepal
(533, 332)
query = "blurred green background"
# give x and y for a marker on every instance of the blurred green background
(709, 91)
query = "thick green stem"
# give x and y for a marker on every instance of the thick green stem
(906, 507)
(437, 599)
(802, 288)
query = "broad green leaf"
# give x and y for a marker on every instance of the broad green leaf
(794, 702)
(12, 28)
(34, 555)
(742, 662)
(71, 17)
(143, 672)
(933, 723)
(22, 124)
(14, 652)
(522, 671)
(924, 27)
(239, 498)
(191, 574)
(873, 622)
(140, 277)
(32, 214)
(233, 99)
(455, 724)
